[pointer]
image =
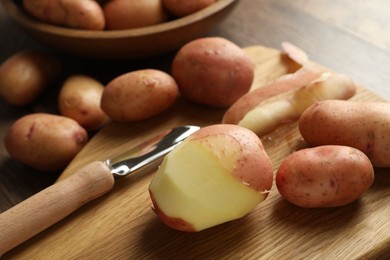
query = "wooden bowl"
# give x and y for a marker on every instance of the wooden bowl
(123, 44)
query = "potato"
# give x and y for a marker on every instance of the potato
(287, 107)
(125, 14)
(139, 95)
(219, 173)
(24, 76)
(45, 142)
(182, 8)
(79, 14)
(363, 125)
(324, 176)
(212, 71)
(79, 99)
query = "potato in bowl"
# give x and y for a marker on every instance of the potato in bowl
(127, 43)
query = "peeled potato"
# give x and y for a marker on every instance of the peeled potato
(45, 142)
(79, 99)
(218, 174)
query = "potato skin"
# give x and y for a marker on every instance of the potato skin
(363, 125)
(182, 8)
(212, 71)
(279, 87)
(45, 142)
(125, 14)
(139, 95)
(79, 14)
(324, 176)
(79, 99)
(24, 76)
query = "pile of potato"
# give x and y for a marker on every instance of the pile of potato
(111, 14)
(212, 71)
(45, 141)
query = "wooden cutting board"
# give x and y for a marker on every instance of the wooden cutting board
(122, 224)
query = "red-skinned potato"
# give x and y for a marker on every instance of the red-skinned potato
(45, 142)
(125, 14)
(218, 174)
(182, 8)
(24, 76)
(212, 71)
(79, 99)
(79, 14)
(139, 95)
(324, 176)
(363, 125)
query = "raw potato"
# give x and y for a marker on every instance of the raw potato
(182, 8)
(125, 14)
(212, 71)
(363, 125)
(45, 142)
(288, 107)
(24, 76)
(79, 99)
(324, 176)
(139, 95)
(79, 14)
(218, 174)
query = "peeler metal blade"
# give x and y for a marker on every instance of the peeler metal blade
(149, 154)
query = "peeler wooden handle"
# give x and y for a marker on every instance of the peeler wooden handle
(52, 204)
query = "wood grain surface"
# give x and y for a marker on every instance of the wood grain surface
(122, 224)
(350, 36)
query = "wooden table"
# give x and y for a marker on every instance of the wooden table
(350, 36)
